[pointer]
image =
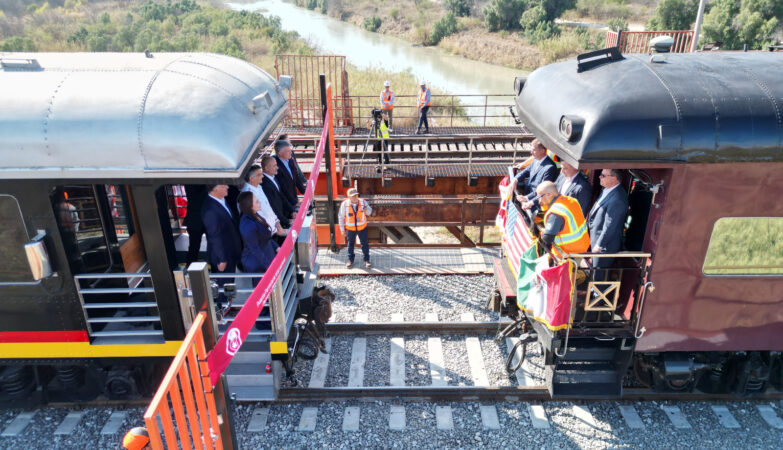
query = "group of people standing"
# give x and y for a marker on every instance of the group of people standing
(245, 225)
(423, 102)
(571, 224)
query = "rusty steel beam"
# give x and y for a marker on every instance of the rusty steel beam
(459, 234)
(444, 211)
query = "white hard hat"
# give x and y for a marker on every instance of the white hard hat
(422, 83)
(386, 83)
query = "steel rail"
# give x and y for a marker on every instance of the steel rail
(433, 328)
(489, 393)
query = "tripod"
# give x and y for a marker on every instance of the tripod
(374, 129)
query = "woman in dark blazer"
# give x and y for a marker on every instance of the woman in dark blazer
(259, 248)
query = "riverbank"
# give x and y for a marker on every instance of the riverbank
(413, 20)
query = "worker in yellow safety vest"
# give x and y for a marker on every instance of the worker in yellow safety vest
(387, 101)
(382, 128)
(353, 223)
(565, 226)
(425, 99)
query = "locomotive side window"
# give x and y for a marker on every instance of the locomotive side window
(745, 246)
(95, 225)
(13, 237)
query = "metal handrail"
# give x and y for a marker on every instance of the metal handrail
(91, 276)
(648, 286)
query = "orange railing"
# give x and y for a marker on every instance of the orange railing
(195, 425)
(639, 41)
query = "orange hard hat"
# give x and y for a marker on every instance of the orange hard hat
(136, 439)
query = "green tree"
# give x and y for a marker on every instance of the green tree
(503, 14)
(372, 23)
(674, 15)
(740, 22)
(460, 8)
(18, 44)
(554, 8)
(447, 25)
(617, 23)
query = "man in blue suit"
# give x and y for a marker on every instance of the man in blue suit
(541, 169)
(289, 177)
(573, 184)
(607, 219)
(224, 245)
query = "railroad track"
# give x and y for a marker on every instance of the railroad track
(529, 384)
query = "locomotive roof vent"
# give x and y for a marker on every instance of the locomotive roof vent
(19, 64)
(662, 44)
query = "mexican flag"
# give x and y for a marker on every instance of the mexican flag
(544, 292)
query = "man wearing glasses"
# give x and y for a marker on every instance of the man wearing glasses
(607, 219)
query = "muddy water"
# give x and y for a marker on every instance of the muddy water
(453, 74)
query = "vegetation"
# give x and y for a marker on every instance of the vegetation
(503, 14)
(171, 26)
(460, 8)
(736, 23)
(446, 26)
(674, 15)
(372, 23)
(603, 9)
(745, 246)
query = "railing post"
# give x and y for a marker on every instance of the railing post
(328, 156)
(202, 299)
(481, 230)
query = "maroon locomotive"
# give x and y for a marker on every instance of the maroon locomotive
(695, 298)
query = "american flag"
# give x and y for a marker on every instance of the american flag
(516, 238)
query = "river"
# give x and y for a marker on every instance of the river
(363, 49)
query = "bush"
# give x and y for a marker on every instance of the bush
(532, 17)
(740, 22)
(554, 8)
(18, 44)
(503, 14)
(674, 15)
(447, 25)
(394, 13)
(616, 23)
(311, 4)
(372, 23)
(460, 8)
(228, 45)
(323, 6)
(541, 32)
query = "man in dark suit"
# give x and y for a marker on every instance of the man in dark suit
(288, 173)
(573, 184)
(196, 193)
(541, 169)
(277, 200)
(607, 219)
(224, 245)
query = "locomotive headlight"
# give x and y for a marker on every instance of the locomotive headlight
(519, 83)
(571, 127)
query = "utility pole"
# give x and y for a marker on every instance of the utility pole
(697, 27)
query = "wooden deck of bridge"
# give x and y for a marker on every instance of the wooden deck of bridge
(410, 261)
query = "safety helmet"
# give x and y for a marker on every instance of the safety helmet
(136, 439)
(352, 192)
(422, 83)
(386, 83)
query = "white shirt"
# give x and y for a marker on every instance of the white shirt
(567, 184)
(605, 192)
(222, 201)
(271, 178)
(266, 209)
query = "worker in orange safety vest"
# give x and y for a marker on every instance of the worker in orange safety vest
(424, 106)
(565, 226)
(387, 101)
(353, 222)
